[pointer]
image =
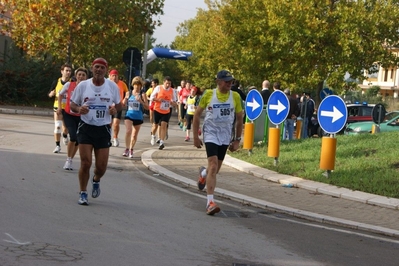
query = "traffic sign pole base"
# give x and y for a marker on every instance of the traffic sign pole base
(327, 173)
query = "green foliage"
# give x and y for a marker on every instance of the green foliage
(79, 31)
(373, 91)
(26, 81)
(358, 96)
(367, 162)
(299, 43)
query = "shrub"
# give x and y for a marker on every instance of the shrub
(26, 80)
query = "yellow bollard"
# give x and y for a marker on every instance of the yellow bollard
(298, 128)
(328, 150)
(249, 134)
(273, 145)
(375, 129)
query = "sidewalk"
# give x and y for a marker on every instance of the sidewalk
(255, 186)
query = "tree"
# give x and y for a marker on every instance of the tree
(301, 43)
(78, 31)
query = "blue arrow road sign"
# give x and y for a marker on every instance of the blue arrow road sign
(278, 107)
(332, 114)
(253, 104)
(325, 92)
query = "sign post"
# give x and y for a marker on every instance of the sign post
(325, 92)
(332, 115)
(278, 108)
(378, 114)
(253, 109)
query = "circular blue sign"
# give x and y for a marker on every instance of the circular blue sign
(325, 92)
(278, 107)
(332, 114)
(253, 104)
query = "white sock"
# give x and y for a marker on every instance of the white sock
(209, 198)
(160, 142)
(203, 173)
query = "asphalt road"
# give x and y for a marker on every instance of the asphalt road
(142, 219)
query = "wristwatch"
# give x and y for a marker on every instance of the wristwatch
(239, 139)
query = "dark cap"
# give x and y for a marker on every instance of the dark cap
(224, 75)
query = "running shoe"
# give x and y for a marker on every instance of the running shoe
(181, 125)
(115, 142)
(65, 139)
(187, 139)
(201, 180)
(161, 146)
(96, 188)
(212, 208)
(152, 140)
(83, 198)
(68, 165)
(125, 153)
(158, 141)
(184, 128)
(131, 153)
(57, 149)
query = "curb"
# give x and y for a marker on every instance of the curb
(146, 159)
(344, 193)
(26, 112)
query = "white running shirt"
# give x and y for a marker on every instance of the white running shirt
(98, 98)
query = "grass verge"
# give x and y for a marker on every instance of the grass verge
(368, 163)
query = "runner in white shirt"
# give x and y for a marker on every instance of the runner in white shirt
(95, 99)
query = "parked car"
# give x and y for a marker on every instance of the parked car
(357, 112)
(390, 123)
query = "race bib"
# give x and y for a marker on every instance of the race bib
(134, 106)
(98, 112)
(191, 108)
(221, 112)
(165, 105)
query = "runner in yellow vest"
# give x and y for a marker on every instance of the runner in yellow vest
(190, 106)
(66, 70)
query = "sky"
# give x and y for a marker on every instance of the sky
(175, 12)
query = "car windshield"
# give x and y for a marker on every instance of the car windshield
(390, 115)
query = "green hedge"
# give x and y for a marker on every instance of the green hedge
(26, 81)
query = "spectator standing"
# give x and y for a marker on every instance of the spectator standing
(116, 119)
(96, 100)
(56, 86)
(277, 86)
(307, 110)
(291, 117)
(221, 105)
(265, 92)
(236, 87)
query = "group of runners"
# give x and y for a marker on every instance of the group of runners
(90, 110)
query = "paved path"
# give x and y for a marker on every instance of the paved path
(263, 188)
